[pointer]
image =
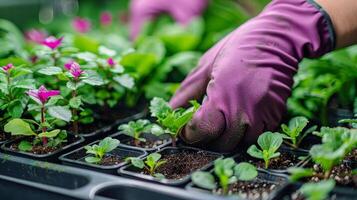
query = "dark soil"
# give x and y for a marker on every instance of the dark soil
(284, 161)
(352, 156)
(341, 174)
(181, 164)
(251, 190)
(6, 136)
(39, 149)
(111, 160)
(147, 145)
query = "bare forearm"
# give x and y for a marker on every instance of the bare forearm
(343, 14)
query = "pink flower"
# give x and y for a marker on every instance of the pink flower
(74, 68)
(52, 42)
(68, 65)
(42, 94)
(106, 18)
(111, 62)
(7, 67)
(81, 25)
(35, 35)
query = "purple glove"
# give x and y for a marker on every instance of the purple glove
(248, 76)
(181, 10)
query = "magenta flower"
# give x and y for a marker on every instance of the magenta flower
(81, 25)
(111, 62)
(42, 94)
(52, 42)
(7, 67)
(35, 35)
(68, 65)
(106, 18)
(74, 68)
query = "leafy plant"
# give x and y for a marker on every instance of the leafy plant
(293, 131)
(105, 146)
(14, 81)
(228, 172)
(317, 191)
(151, 163)
(135, 129)
(269, 143)
(171, 121)
(336, 144)
(25, 127)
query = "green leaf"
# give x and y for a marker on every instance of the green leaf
(75, 102)
(18, 127)
(159, 176)
(157, 130)
(204, 180)
(125, 80)
(50, 134)
(91, 159)
(50, 71)
(159, 108)
(154, 46)
(60, 112)
(24, 84)
(15, 108)
(245, 171)
(296, 173)
(136, 162)
(317, 191)
(25, 146)
(109, 144)
(270, 141)
(92, 78)
(255, 152)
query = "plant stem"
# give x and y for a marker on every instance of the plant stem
(74, 112)
(327, 174)
(8, 85)
(43, 120)
(266, 161)
(173, 138)
(224, 189)
(136, 142)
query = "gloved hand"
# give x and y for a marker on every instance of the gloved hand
(248, 76)
(181, 10)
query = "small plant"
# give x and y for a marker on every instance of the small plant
(269, 143)
(317, 191)
(25, 127)
(151, 163)
(227, 172)
(135, 129)
(13, 84)
(336, 144)
(105, 146)
(293, 131)
(76, 78)
(351, 122)
(172, 121)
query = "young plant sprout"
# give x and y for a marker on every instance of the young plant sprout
(171, 121)
(269, 143)
(135, 129)
(336, 144)
(293, 131)
(317, 191)
(24, 127)
(105, 146)
(228, 172)
(151, 163)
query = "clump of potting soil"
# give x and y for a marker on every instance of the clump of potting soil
(109, 160)
(147, 144)
(352, 156)
(284, 161)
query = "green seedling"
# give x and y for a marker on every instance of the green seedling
(228, 172)
(317, 191)
(269, 143)
(135, 129)
(294, 131)
(171, 121)
(151, 163)
(105, 146)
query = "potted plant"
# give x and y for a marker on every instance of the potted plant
(269, 155)
(42, 139)
(104, 156)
